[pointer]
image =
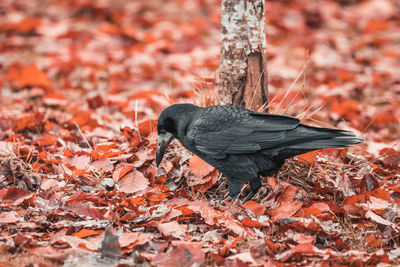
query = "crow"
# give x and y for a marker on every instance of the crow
(242, 144)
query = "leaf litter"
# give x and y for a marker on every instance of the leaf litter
(82, 84)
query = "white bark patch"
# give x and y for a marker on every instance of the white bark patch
(243, 24)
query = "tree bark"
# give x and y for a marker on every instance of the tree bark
(243, 79)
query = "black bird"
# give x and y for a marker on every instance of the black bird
(241, 143)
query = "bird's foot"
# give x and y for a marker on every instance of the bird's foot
(229, 199)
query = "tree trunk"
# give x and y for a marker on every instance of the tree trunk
(243, 79)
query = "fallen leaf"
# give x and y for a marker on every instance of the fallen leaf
(133, 182)
(87, 232)
(255, 207)
(172, 229)
(9, 217)
(182, 255)
(199, 167)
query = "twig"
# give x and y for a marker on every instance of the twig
(83, 136)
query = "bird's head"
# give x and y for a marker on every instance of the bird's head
(172, 124)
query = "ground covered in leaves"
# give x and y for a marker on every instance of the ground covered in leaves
(82, 84)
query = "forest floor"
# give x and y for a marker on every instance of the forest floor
(82, 84)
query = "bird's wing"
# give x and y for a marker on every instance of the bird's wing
(238, 131)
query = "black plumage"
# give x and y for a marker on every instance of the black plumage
(240, 143)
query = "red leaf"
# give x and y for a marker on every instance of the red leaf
(248, 222)
(199, 167)
(12, 193)
(90, 212)
(285, 210)
(255, 207)
(183, 255)
(304, 248)
(288, 206)
(309, 157)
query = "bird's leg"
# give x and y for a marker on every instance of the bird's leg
(255, 185)
(234, 190)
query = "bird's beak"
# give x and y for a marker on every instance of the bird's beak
(163, 141)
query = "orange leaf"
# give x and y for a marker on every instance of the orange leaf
(121, 172)
(199, 167)
(256, 208)
(81, 172)
(158, 197)
(46, 140)
(147, 126)
(27, 25)
(86, 232)
(251, 223)
(125, 170)
(348, 110)
(28, 76)
(309, 157)
(132, 136)
(374, 242)
(376, 25)
(137, 201)
(382, 120)
(134, 239)
(23, 123)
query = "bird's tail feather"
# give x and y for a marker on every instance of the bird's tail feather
(313, 138)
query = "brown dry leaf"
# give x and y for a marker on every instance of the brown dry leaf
(205, 211)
